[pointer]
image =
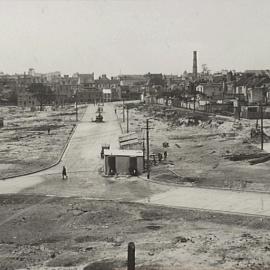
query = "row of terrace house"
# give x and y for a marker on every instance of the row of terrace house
(67, 89)
(132, 86)
(84, 87)
(254, 88)
(231, 96)
(228, 93)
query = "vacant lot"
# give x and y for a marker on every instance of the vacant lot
(25, 143)
(207, 151)
(50, 231)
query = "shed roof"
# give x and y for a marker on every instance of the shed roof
(128, 137)
(122, 152)
(131, 142)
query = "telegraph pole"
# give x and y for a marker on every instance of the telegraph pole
(194, 102)
(76, 105)
(76, 98)
(123, 111)
(147, 148)
(143, 153)
(261, 109)
(127, 120)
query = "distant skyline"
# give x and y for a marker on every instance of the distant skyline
(133, 37)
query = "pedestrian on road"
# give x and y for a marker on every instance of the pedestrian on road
(154, 160)
(115, 110)
(159, 157)
(64, 173)
(49, 131)
(165, 155)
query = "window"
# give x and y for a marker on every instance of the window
(253, 109)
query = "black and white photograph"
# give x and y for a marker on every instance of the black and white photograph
(134, 135)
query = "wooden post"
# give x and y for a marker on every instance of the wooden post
(147, 148)
(123, 111)
(194, 97)
(76, 103)
(131, 256)
(261, 126)
(143, 154)
(127, 120)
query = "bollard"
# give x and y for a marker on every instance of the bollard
(131, 256)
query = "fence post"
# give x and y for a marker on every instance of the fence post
(131, 256)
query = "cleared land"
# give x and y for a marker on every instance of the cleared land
(54, 232)
(26, 146)
(204, 150)
(45, 232)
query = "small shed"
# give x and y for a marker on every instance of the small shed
(123, 162)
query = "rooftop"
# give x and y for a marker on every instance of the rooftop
(118, 152)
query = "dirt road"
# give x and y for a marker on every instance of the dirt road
(83, 163)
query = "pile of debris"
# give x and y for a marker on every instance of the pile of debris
(187, 122)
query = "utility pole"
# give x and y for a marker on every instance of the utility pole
(261, 109)
(123, 111)
(147, 148)
(76, 98)
(239, 110)
(76, 105)
(194, 97)
(143, 153)
(127, 120)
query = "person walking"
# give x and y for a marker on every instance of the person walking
(165, 155)
(64, 173)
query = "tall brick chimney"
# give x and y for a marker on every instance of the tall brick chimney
(194, 65)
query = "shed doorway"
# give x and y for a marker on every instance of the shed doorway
(133, 169)
(111, 163)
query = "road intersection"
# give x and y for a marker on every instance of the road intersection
(84, 167)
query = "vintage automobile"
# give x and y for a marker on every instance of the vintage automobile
(99, 118)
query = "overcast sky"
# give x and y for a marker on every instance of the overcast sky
(127, 37)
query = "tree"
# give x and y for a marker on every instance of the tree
(43, 93)
(205, 69)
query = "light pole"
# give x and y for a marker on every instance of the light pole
(261, 110)
(75, 96)
(123, 111)
(127, 120)
(76, 104)
(194, 95)
(147, 148)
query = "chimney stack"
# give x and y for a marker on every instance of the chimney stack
(194, 65)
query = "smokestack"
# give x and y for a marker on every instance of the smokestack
(194, 65)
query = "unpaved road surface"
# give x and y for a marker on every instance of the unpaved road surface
(84, 166)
